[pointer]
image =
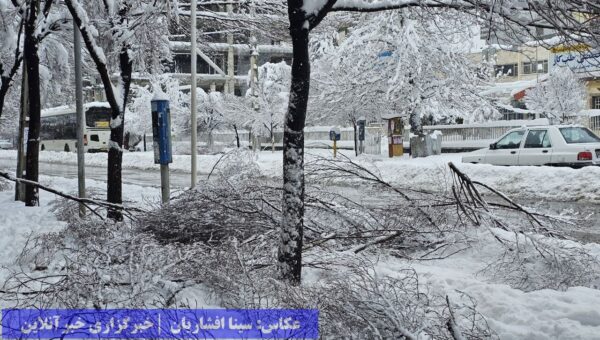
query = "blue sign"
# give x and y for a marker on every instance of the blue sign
(578, 62)
(335, 134)
(160, 324)
(161, 132)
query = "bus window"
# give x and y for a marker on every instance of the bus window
(62, 126)
(98, 117)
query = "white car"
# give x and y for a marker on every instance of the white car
(564, 145)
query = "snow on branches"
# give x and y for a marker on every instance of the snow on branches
(272, 86)
(559, 97)
(414, 62)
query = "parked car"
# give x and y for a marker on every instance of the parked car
(5, 144)
(561, 145)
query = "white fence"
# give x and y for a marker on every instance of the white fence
(454, 137)
(315, 137)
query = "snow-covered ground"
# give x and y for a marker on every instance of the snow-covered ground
(18, 223)
(512, 313)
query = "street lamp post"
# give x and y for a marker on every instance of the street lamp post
(194, 125)
(80, 117)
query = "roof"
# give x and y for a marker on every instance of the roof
(392, 116)
(66, 109)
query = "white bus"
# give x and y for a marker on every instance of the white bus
(59, 128)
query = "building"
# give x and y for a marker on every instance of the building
(517, 69)
(225, 55)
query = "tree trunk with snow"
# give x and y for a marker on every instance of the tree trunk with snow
(115, 152)
(30, 51)
(6, 82)
(117, 104)
(290, 247)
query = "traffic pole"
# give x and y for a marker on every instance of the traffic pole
(165, 186)
(334, 148)
(80, 117)
(161, 134)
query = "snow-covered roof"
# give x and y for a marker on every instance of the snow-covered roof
(513, 87)
(392, 116)
(515, 109)
(59, 110)
(68, 109)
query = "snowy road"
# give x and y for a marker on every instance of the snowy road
(586, 228)
(145, 178)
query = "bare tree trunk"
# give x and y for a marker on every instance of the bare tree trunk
(290, 247)
(272, 139)
(355, 136)
(30, 51)
(237, 135)
(115, 151)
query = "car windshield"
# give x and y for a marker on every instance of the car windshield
(574, 135)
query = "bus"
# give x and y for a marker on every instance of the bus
(58, 130)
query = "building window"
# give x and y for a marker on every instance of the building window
(542, 66)
(535, 67)
(596, 103)
(527, 68)
(510, 70)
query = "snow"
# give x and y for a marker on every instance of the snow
(511, 313)
(22, 222)
(313, 7)
(160, 95)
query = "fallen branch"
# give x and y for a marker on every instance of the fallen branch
(468, 189)
(452, 325)
(85, 201)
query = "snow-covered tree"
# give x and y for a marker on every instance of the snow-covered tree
(406, 64)
(237, 113)
(561, 96)
(135, 36)
(11, 54)
(272, 89)
(137, 118)
(304, 16)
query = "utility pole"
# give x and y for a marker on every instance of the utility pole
(194, 136)
(21, 147)
(254, 88)
(80, 117)
(230, 84)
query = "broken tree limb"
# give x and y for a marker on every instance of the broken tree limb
(452, 325)
(85, 201)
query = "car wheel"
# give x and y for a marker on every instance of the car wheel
(67, 148)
